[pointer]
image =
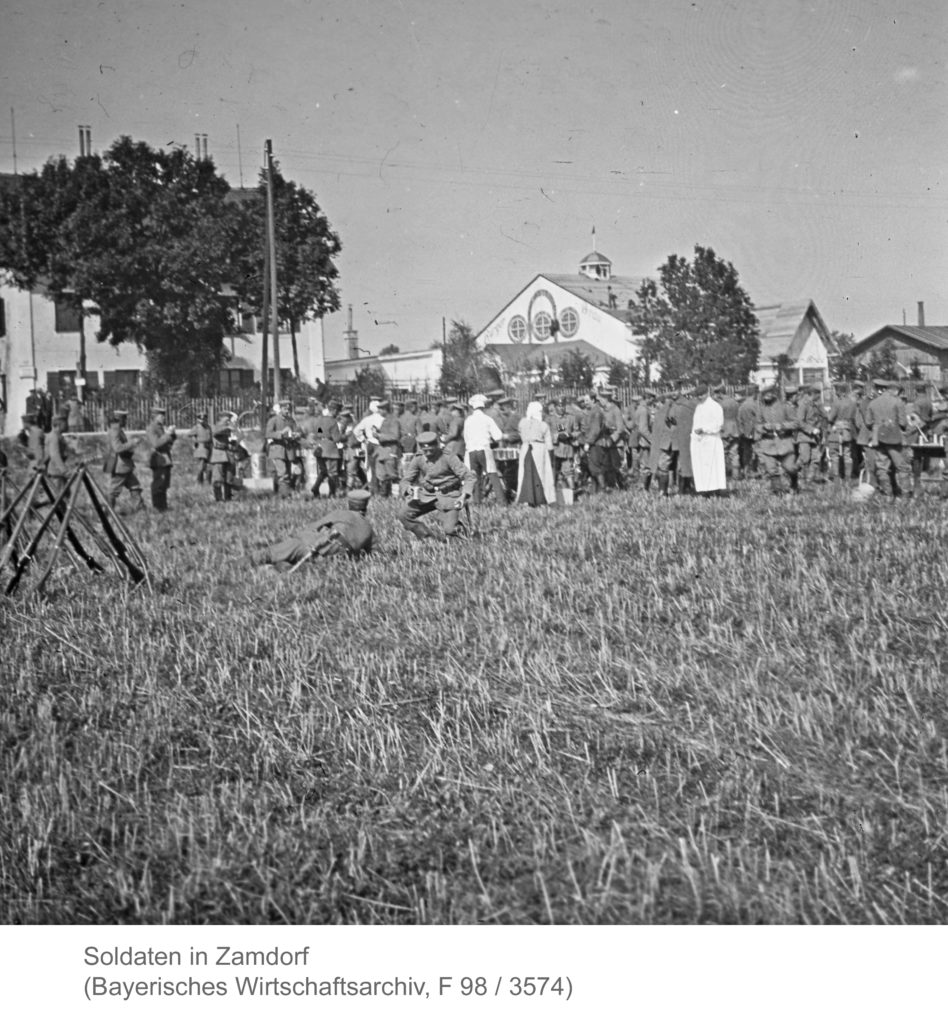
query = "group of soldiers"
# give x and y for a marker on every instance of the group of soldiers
(790, 436)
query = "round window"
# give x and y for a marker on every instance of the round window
(517, 329)
(541, 326)
(569, 322)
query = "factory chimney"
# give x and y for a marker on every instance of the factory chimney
(921, 314)
(352, 337)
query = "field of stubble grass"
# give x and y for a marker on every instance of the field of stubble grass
(630, 711)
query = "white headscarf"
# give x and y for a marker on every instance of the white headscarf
(534, 411)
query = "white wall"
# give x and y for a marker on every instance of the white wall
(595, 325)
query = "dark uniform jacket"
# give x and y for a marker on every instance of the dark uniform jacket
(885, 417)
(445, 474)
(282, 437)
(776, 426)
(842, 419)
(730, 406)
(119, 452)
(160, 441)
(325, 435)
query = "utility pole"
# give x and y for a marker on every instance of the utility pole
(264, 364)
(85, 149)
(271, 249)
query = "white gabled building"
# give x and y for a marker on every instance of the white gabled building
(797, 332)
(591, 306)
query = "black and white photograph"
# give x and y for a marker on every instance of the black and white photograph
(480, 466)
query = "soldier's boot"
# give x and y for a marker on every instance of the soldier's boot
(333, 486)
(218, 492)
(601, 482)
(944, 490)
(647, 481)
(663, 484)
(228, 491)
(776, 484)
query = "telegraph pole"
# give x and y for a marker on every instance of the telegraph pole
(271, 250)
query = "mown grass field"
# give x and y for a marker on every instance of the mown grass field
(632, 711)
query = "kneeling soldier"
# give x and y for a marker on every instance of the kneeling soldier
(435, 481)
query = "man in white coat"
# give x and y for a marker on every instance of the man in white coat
(707, 445)
(480, 433)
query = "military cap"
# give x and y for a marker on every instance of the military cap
(158, 409)
(541, 397)
(458, 404)
(506, 400)
(790, 389)
(359, 500)
(334, 403)
(398, 401)
(384, 403)
(203, 414)
(495, 393)
(375, 398)
(30, 417)
(120, 412)
(879, 382)
(649, 393)
(427, 437)
(769, 389)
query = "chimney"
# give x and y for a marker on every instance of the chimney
(85, 140)
(921, 314)
(352, 338)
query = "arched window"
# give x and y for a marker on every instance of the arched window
(517, 329)
(541, 326)
(569, 322)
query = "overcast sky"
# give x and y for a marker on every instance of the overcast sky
(460, 147)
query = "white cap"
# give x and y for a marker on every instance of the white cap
(478, 401)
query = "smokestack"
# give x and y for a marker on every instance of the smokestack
(351, 336)
(85, 140)
(921, 314)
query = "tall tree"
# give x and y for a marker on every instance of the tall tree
(843, 366)
(306, 247)
(462, 367)
(147, 236)
(576, 370)
(697, 322)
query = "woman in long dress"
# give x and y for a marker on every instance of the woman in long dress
(535, 476)
(707, 446)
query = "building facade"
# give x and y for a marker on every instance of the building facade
(40, 345)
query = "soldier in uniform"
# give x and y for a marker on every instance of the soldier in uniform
(120, 461)
(345, 532)
(454, 436)
(662, 456)
(809, 432)
(866, 455)
(776, 428)
(203, 438)
(683, 413)
(642, 418)
(32, 438)
(282, 438)
(565, 432)
(614, 424)
(730, 431)
(435, 481)
(58, 454)
(388, 453)
(326, 439)
(841, 434)
(887, 421)
(595, 439)
(408, 421)
(160, 440)
(748, 413)
(223, 457)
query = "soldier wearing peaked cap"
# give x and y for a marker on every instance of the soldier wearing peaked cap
(160, 439)
(887, 421)
(203, 437)
(345, 532)
(435, 481)
(841, 433)
(120, 461)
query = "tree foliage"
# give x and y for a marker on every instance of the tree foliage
(576, 370)
(153, 241)
(305, 246)
(463, 366)
(843, 365)
(881, 362)
(697, 322)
